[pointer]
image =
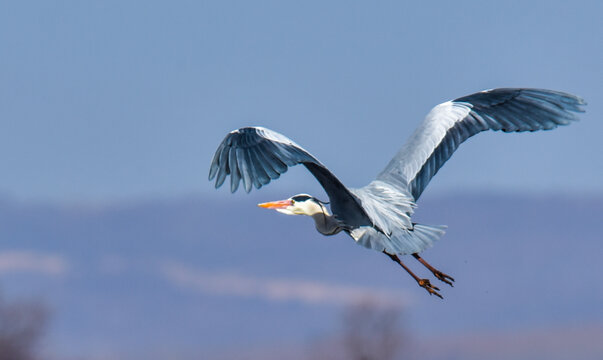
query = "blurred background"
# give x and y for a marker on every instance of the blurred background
(113, 244)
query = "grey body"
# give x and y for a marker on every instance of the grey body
(378, 216)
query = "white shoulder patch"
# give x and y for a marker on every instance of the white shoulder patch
(358, 233)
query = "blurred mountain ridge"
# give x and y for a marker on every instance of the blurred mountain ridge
(520, 263)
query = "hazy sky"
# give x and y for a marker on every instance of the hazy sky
(117, 99)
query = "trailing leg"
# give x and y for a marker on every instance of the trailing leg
(424, 283)
(440, 275)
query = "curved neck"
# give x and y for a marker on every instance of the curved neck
(325, 222)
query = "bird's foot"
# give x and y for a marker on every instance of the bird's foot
(444, 278)
(432, 290)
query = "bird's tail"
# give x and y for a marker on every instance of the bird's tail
(416, 240)
(408, 241)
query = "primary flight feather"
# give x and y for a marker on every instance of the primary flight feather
(378, 216)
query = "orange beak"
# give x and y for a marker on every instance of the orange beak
(282, 204)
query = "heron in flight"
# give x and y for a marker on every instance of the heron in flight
(378, 216)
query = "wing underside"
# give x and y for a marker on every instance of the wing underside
(449, 124)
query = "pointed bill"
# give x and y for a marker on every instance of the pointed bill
(281, 204)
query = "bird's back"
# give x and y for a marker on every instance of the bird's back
(391, 209)
(387, 206)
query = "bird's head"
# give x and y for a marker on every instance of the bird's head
(301, 204)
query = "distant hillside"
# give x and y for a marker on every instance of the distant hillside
(151, 279)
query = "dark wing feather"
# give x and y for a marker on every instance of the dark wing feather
(449, 124)
(256, 155)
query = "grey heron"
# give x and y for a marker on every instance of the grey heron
(378, 215)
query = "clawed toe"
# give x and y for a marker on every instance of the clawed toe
(432, 290)
(444, 278)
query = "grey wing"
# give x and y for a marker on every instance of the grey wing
(256, 155)
(447, 125)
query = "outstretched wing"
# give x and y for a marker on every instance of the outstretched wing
(257, 155)
(447, 125)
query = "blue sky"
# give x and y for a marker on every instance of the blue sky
(102, 101)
